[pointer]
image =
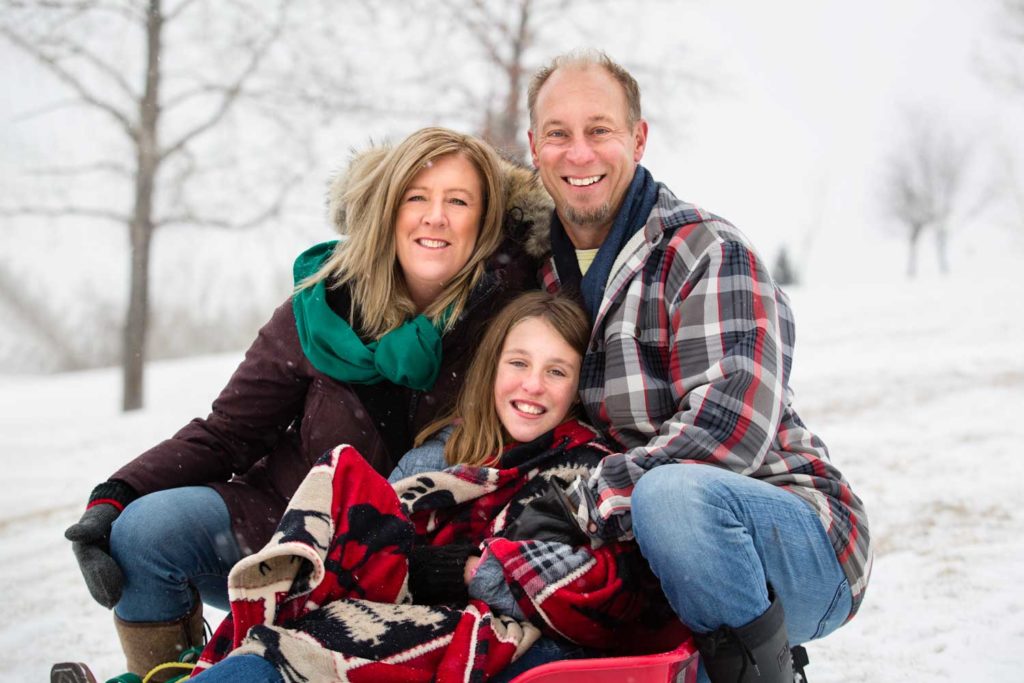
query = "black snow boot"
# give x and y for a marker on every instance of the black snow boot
(758, 651)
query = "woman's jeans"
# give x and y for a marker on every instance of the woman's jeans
(168, 544)
(717, 539)
(248, 668)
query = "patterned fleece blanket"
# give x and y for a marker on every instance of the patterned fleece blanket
(327, 598)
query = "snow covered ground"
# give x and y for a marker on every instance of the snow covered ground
(918, 388)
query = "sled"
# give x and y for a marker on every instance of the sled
(675, 666)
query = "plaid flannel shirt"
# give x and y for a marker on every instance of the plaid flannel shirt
(689, 360)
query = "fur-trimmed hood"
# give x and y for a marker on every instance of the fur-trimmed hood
(528, 207)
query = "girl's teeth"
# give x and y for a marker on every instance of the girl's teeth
(433, 244)
(529, 408)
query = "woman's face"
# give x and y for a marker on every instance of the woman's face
(437, 225)
(535, 386)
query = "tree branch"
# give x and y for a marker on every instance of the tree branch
(191, 218)
(78, 6)
(63, 212)
(479, 29)
(70, 80)
(184, 96)
(98, 167)
(38, 318)
(113, 74)
(231, 92)
(173, 14)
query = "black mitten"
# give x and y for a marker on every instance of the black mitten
(90, 541)
(548, 517)
(437, 573)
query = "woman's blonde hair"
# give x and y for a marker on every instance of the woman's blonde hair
(479, 435)
(366, 258)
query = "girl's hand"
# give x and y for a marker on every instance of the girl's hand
(472, 562)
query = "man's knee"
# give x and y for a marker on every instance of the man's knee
(683, 503)
(663, 502)
(675, 487)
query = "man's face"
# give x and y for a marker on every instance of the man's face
(585, 149)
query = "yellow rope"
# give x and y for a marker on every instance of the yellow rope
(167, 665)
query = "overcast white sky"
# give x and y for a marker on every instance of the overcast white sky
(815, 95)
(811, 93)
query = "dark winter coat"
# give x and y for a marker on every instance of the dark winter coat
(278, 414)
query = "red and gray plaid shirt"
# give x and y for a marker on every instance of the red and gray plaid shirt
(689, 361)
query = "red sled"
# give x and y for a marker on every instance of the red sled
(675, 666)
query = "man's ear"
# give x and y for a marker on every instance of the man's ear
(639, 140)
(533, 147)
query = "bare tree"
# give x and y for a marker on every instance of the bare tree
(1002, 61)
(783, 270)
(505, 37)
(924, 184)
(37, 320)
(487, 73)
(509, 40)
(193, 64)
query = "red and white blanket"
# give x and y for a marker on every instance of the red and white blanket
(327, 599)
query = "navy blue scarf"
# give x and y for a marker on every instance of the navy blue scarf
(631, 218)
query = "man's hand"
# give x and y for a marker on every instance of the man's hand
(548, 517)
(90, 541)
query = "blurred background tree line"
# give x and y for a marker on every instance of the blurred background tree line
(171, 85)
(205, 130)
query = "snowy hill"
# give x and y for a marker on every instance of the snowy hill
(916, 387)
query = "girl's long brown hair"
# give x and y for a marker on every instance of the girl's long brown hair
(479, 435)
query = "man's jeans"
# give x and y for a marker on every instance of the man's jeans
(167, 544)
(716, 539)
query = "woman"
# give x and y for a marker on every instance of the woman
(435, 579)
(371, 347)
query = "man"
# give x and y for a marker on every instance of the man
(757, 539)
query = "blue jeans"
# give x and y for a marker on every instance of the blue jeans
(716, 539)
(255, 669)
(168, 544)
(248, 668)
(543, 651)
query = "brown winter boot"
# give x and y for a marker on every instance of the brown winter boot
(148, 644)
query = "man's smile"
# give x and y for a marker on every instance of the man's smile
(583, 182)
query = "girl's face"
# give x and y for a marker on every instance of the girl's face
(438, 222)
(535, 386)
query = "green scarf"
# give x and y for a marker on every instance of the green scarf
(409, 355)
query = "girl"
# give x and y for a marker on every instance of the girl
(370, 348)
(432, 579)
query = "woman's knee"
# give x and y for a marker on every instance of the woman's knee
(142, 521)
(161, 525)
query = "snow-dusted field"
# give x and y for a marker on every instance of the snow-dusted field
(918, 388)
